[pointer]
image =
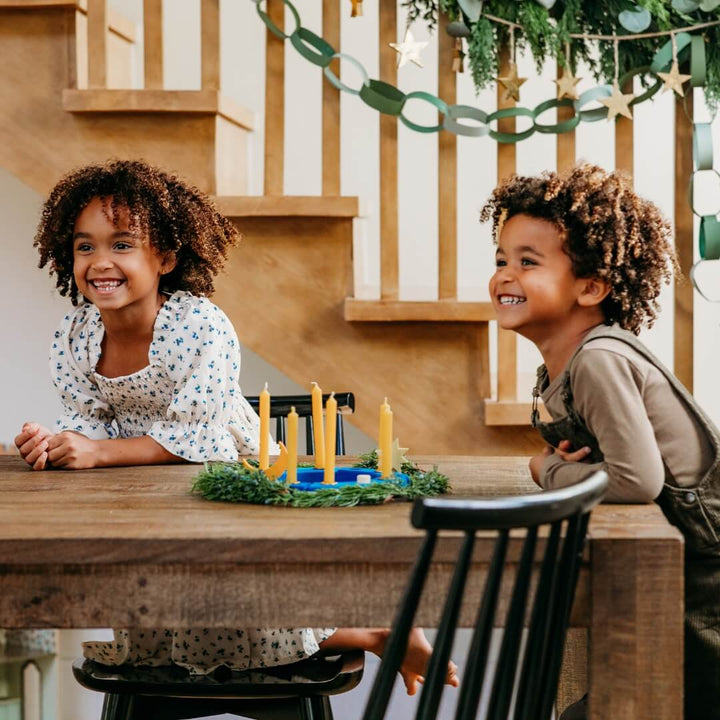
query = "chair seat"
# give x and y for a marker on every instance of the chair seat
(315, 676)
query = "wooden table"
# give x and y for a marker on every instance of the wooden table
(126, 547)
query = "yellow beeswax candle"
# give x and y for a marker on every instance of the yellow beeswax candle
(292, 437)
(264, 429)
(385, 440)
(318, 432)
(331, 420)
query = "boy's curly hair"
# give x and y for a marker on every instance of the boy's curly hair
(176, 217)
(610, 233)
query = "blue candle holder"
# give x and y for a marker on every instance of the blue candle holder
(312, 478)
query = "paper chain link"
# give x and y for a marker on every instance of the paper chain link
(472, 121)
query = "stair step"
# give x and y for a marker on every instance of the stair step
(27, 4)
(194, 102)
(245, 206)
(405, 311)
(511, 412)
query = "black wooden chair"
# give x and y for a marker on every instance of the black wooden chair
(280, 407)
(523, 680)
(299, 691)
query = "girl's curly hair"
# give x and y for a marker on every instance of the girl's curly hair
(610, 233)
(176, 217)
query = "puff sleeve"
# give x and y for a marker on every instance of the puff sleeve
(200, 351)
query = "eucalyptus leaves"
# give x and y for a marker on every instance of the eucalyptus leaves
(547, 27)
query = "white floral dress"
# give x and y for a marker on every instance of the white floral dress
(189, 401)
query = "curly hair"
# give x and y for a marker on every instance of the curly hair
(610, 233)
(176, 217)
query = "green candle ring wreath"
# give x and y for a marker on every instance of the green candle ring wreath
(233, 482)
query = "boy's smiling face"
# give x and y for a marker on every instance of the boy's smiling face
(534, 291)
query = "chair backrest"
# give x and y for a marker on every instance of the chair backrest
(280, 407)
(526, 680)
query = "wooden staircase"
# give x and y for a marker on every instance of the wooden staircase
(288, 288)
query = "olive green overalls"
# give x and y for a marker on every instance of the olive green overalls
(695, 511)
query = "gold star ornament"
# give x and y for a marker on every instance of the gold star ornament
(674, 79)
(357, 8)
(566, 85)
(511, 82)
(617, 103)
(409, 50)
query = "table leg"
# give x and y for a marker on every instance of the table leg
(636, 629)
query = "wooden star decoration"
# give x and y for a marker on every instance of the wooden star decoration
(511, 82)
(674, 79)
(566, 85)
(409, 49)
(398, 455)
(617, 103)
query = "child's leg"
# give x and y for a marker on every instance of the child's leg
(373, 640)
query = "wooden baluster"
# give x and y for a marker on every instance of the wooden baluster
(684, 243)
(565, 149)
(388, 160)
(447, 172)
(97, 43)
(275, 102)
(331, 105)
(210, 44)
(153, 34)
(624, 138)
(506, 340)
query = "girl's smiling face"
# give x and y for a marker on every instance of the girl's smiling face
(533, 290)
(114, 267)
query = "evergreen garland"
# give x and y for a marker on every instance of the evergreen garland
(545, 31)
(233, 482)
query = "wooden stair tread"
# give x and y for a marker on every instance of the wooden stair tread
(32, 4)
(243, 206)
(204, 102)
(407, 311)
(512, 412)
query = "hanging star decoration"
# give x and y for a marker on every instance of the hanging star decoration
(511, 82)
(617, 103)
(357, 8)
(566, 84)
(674, 79)
(409, 49)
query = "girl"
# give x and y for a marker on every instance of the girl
(147, 371)
(581, 260)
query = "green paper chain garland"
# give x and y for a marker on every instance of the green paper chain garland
(389, 100)
(233, 482)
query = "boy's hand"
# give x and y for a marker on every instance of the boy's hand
(536, 464)
(32, 442)
(72, 451)
(562, 451)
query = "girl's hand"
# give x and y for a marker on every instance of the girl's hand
(32, 442)
(72, 451)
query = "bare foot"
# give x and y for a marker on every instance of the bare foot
(415, 662)
(373, 640)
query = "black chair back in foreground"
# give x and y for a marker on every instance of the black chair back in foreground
(280, 407)
(523, 682)
(288, 692)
